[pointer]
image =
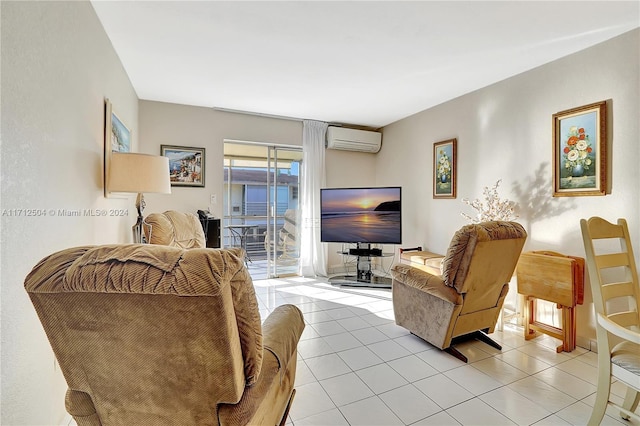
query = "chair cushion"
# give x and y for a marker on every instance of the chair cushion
(455, 265)
(173, 228)
(426, 282)
(627, 356)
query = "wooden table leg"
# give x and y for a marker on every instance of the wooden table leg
(529, 318)
(568, 329)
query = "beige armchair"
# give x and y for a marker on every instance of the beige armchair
(157, 335)
(467, 297)
(616, 298)
(173, 228)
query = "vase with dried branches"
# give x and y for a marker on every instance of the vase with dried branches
(492, 207)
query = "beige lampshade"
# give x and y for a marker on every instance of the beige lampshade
(133, 172)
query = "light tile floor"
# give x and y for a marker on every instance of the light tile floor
(356, 367)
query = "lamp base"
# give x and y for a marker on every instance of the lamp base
(138, 234)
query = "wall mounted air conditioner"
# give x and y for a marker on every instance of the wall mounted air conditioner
(353, 140)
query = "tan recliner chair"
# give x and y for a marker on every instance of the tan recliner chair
(173, 228)
(468, 296)
(156, 335)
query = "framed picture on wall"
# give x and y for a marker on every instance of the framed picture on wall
(444, 169)
(186, 165)
(117, 138)
(580, 151)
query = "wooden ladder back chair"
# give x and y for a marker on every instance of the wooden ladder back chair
(616, 298)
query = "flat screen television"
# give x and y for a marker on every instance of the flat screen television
(361, 215)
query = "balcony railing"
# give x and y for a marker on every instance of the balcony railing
(260, 208)
(255, 237)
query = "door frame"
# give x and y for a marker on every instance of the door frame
(270, 150)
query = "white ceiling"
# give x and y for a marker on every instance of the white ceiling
(356, 62)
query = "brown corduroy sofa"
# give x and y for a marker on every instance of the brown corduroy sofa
(467, 297)
(156, 335)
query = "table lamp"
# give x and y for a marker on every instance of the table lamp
(138, 173)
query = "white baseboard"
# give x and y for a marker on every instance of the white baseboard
(586, 343)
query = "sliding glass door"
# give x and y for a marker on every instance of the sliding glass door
(261, 206)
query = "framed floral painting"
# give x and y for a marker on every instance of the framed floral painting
(580, 151)
(444, 169)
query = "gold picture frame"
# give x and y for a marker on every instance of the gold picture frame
(117, 137)
(445, 169)
(580, 151)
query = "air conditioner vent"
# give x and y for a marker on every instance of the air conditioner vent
(353, 139)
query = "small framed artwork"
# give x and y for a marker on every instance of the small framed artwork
(444, 169)
(186, 165)
(580, 151)
(117, 138)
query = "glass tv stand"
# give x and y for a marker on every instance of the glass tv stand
(364, 276)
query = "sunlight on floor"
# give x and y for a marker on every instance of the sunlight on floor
(356, 367)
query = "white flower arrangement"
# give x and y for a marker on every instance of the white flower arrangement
(444, 167)
(493, 207)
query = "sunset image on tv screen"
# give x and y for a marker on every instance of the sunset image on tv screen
(361, 215)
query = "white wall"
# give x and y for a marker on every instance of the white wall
(504, 132)
(57, 67)
(172, 124)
